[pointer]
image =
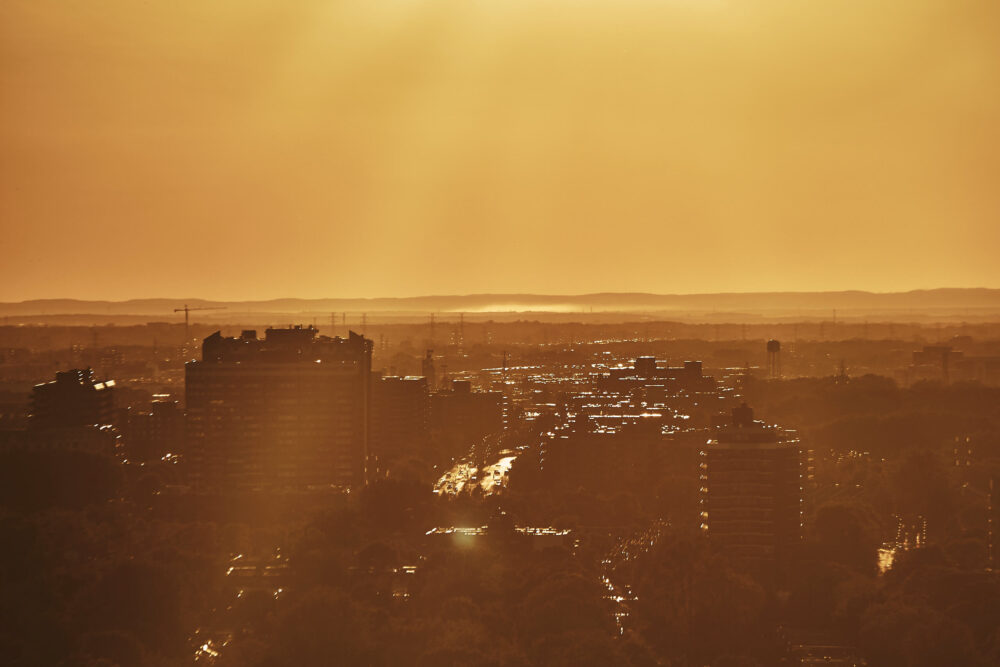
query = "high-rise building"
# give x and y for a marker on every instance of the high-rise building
(602, 453)
(152, 435)
(290, 411)
(646, 371)
(73, 412)
(400, 424)
(461, 418)
(751, 488)
(933, 363)
(74, 398)
(684, 388)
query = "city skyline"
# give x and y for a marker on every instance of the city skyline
(500, 332)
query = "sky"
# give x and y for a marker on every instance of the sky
(241, 149)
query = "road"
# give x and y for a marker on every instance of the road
(463, 477)
(626, 549)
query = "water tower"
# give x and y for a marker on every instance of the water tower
(773, 359)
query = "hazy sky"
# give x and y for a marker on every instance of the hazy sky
(246, 149)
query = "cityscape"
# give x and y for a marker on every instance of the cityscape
(448, 333)
(453, 491)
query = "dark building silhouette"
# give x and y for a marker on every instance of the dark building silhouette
(751, 489)
(685, 388)
(400, 424)
(942, 362)
(290, 411)
(461, 418)
(73, 412)
(154, 434)
(605, 453)
(933, 363)
(646, 372)
(75, 398)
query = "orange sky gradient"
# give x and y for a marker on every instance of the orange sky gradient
(239, 149)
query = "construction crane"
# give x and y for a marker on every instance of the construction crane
(187, 310)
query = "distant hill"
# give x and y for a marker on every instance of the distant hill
(942, 300)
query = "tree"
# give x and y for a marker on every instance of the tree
(323, 627)
(847, 533)
(693, 606)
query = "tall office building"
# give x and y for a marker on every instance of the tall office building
(751, 490)
(287, 412)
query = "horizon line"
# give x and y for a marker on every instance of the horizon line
(507, 294)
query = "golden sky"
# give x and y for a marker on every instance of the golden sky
(244, 149)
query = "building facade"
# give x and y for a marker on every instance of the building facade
(286, 412)
(400, 425)
(751, 492)
(75, 398)
(150, 436)
(74, 412)
(461, 417)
